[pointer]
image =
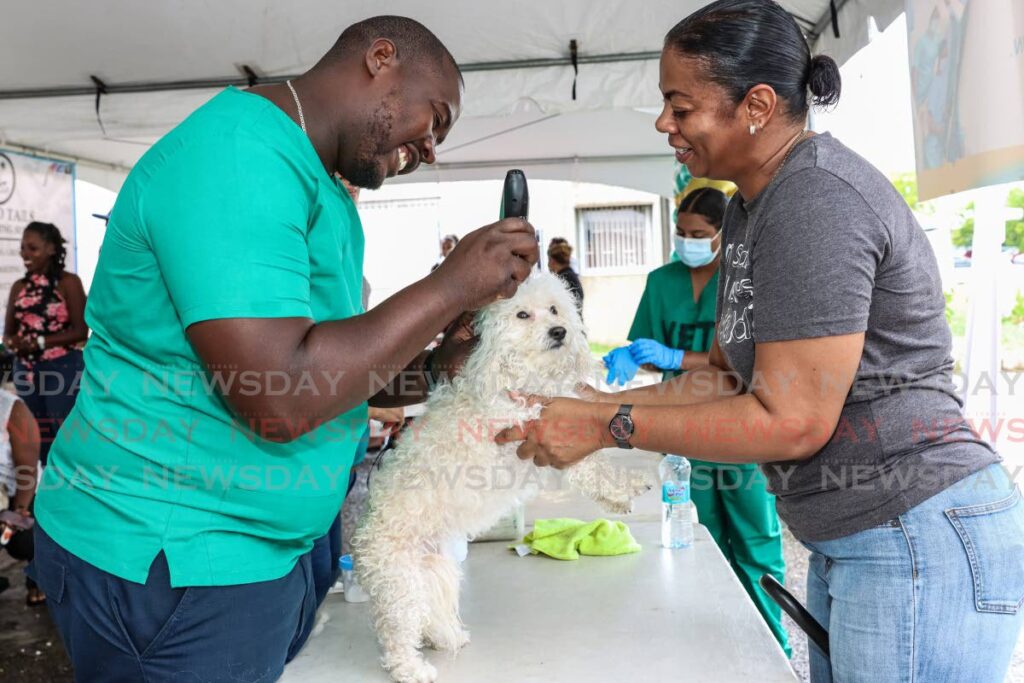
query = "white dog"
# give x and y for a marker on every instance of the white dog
(447, 477)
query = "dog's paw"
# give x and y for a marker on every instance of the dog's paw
(451, 641)
(620, 500)
(617, 505)
(321, 621)
(640, 483)
(413, 671)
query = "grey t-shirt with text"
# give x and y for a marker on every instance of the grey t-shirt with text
(829, 248)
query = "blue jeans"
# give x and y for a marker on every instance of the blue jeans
(117, 631)
(933, 595)
(327, 550)
(49, 391)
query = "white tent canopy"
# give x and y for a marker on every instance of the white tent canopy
(159, 61)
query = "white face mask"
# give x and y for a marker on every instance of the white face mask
(695, 251)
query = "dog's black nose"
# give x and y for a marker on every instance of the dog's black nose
(557, 333)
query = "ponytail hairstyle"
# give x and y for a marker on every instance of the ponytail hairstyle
(742, 43)
(51, 235)
(706, 202)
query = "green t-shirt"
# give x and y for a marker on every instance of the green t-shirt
(230, 215)
(668, 314)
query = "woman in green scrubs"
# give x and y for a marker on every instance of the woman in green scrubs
(672, 331)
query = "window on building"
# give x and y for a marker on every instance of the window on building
(615, 239)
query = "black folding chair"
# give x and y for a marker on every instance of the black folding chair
(816, 633)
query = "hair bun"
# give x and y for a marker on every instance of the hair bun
(560, 251)
(824, 81)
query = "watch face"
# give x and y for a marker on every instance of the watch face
(621, 427)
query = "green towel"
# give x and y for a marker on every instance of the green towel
(567, 539)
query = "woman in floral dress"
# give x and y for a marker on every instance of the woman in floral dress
(44, 326)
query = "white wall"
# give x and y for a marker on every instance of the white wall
(609, 305)
(402, 241)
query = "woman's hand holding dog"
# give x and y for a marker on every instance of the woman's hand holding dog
(489, 263)
(458, 342)
(567, 431)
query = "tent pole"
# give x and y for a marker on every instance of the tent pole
(546, 161)
(243, 81)
(982, 364)
(60, 156)
(834, 9)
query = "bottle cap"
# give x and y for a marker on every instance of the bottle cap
(345, 563)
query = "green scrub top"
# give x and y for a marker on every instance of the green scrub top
(668, 314)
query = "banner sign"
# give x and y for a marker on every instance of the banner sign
(967, 78)
(32, 189)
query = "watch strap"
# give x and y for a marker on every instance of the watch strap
(428, 370)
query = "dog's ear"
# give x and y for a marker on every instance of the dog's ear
(492, 365)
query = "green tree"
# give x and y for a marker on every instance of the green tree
(906, 185)
(1015, 229)
(1016, 316)
(964, 235)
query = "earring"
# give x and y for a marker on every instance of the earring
(753, 129)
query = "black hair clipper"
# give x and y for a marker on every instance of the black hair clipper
(515, 198)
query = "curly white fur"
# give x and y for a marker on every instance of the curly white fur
(447, 476)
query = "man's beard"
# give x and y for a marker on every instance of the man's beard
(367, 171)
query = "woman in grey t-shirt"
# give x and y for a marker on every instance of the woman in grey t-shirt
(831, 368)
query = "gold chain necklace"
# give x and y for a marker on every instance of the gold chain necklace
(799, 138)
(298, 106)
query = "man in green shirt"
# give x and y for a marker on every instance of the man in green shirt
(231, 361)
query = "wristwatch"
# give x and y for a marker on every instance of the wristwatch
(621, 426)
(428, 370)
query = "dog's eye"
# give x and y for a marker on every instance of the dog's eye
(554, 311)
(522, 315)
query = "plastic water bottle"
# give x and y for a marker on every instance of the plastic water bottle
(676, 508)
(456, 547)
(353, 591)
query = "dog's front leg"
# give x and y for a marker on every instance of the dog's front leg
(611, 487)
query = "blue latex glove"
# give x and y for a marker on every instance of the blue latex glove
(648, 351)
(621, 366)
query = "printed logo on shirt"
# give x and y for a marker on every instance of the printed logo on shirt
(689, 336)
(737, 322)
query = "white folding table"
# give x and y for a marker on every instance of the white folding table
(658, 615)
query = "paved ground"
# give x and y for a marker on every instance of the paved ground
(30, 649)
